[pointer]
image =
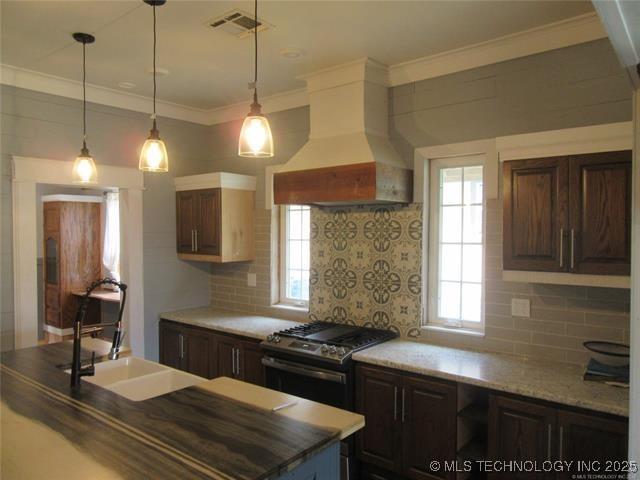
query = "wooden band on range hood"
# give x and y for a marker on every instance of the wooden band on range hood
(355, 184)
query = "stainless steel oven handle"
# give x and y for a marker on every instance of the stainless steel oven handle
(304, 370)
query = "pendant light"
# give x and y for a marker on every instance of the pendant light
(255, 136)
(153, 157)
(84, 168)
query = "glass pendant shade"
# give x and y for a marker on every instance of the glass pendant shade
(153, 157)
(84, 169)
(255, 137)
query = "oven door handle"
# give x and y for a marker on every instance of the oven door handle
(304, 370)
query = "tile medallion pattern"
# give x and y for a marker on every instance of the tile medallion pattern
(366, 266)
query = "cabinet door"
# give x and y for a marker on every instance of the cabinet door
(377, 398)
(171, 345)
(225, 355)
(521, 430)
(535, 214)
(589, 438)
(600, 198)
(429, 419)
(251, 368)
(186, 211)
(197, 352)
(208, 227)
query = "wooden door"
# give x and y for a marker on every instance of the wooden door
(377, 398)
(197, 351)
(600, 199)
(225, 357)
(429, 419)
(186, 212)
(520, 430)
(251, 368)
(171, 346)
(589, 438)
(535, 214)
(208, 224)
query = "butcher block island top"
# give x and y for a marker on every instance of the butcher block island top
(220, 429)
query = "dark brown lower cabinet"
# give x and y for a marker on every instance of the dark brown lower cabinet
(238, 358)
(587, 438)
(410, 421)
(521, 429)
(209, 355)
(185, 348)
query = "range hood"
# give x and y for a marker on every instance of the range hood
(348, 158)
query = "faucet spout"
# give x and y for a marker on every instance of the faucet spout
(78, 371)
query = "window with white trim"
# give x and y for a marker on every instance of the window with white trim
(456, 243)
(295, 249)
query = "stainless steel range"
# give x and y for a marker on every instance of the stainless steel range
(326, 341)
(313, 361)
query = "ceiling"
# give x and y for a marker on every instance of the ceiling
(210, 68)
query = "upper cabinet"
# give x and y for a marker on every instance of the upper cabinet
(568, 214)
(214, 217)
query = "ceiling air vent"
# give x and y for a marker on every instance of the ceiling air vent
(239, 23)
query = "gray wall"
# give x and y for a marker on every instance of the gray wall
(569, 87)
(40, 125)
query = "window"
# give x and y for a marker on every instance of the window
(456, 243)
(294, 255)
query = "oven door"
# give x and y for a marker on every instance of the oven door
(307, 381)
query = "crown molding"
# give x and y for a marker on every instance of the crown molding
(64, 87)
(572, 31)
(272, 103)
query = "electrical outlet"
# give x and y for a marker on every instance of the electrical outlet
(251, 280)
(521, 307)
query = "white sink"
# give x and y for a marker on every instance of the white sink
(139, 379)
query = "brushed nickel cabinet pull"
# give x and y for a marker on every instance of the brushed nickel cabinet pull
(233, 361)
(403, 405)
(181, 339)
(560, 446)
(237, 361)
(561, 247)
(196, 240)
(549, 442)
(573, 241)
(395, 403)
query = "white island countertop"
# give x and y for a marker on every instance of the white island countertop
(555, 382)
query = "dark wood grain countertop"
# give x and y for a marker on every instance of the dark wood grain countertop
(190, 433)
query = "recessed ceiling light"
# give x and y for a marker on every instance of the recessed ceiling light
(292, 53)
(127, 85)
(160, 72)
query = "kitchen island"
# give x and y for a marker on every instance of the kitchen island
(218, 429)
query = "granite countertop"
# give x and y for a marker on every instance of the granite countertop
(237, 323)
(204, 431)
(551, 381)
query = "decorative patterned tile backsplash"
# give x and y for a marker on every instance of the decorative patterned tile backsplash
(366, 266)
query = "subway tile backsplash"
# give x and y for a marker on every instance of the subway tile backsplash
(366, 269)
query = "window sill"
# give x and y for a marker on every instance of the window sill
(291, 308)
(454, 330)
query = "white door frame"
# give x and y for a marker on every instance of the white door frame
(27, 173)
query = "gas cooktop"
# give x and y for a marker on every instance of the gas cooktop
(325, 340)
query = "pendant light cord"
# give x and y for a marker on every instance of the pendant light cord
(84, 95)
(154, 63)
(255, 46)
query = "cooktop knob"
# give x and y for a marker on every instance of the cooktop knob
(276, 339)
(332, 349)
(324, 348)
(342, 351)
(269, 338)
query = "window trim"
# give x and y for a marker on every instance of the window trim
(432, 214)
(283, 300)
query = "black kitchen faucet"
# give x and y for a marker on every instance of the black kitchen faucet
(78, 370)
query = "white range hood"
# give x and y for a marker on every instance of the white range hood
(348, 158)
